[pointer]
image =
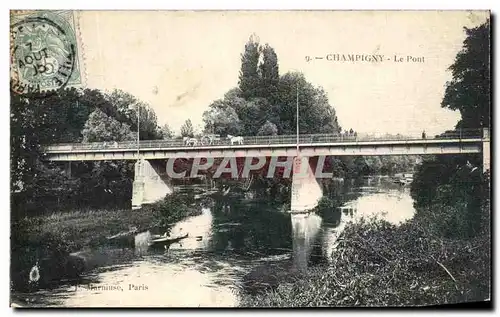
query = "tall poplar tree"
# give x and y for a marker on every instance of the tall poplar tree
(269, 72)
(249, 81)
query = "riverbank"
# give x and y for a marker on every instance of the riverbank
(91, 228)
(52, 242)
(45, 243)
(379, 264)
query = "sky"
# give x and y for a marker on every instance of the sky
(181, 61)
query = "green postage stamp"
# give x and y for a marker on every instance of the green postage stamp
(45, 51)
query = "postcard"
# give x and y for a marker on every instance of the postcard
(250, 158)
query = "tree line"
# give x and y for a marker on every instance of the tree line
(263, 103)
(73, 115)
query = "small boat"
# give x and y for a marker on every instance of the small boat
(166, 241)
(403, 181)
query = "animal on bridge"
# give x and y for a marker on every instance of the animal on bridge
(190, 141)
(235, 139)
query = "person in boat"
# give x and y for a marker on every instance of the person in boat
(423, 134)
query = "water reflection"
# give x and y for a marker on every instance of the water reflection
(237, 242)
(199, 231)
(241, 227)
(305, 229)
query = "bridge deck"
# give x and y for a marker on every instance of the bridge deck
(310, 145)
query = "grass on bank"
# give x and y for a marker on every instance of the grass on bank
(49, 239)
(89, 228)
(379, 264)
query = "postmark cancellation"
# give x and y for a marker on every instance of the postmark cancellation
(45, 52)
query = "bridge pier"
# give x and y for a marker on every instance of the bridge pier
(150, 183)
(486, 150)
(306, 191)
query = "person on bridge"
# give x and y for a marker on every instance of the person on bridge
(423, 134)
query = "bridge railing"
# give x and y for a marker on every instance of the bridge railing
(264, 140)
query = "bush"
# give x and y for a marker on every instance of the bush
(327, 208)
(452, 197)
(458, 221)
(379, 264)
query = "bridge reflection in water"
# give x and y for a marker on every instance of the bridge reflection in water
(305, 228)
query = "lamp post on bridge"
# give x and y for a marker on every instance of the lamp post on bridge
(297, 161)
(297, 106)
(138, 144)
(138, 184)
(297, 83)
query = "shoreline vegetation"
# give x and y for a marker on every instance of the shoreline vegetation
(53, 242)
(379, 264)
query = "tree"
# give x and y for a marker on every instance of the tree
(221, 119)
(25, 145)
(187, 129)
(233, 93)
(253, 114)
(124, 107)
(467, 92)
(38, 121)
(469, 89)
(315, 113)
(446, 188)
(249, 81)
(101, 127)
(269, 73)
(233, 98)
(166, 132)
(268, 128)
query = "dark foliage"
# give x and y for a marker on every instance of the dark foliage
(469, 89)
(249, 81)
(378, 264)
(451, 190)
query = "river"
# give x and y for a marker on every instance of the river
(238, 243)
